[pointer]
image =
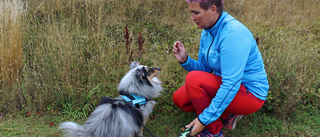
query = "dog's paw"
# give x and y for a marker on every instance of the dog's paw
(140, 134)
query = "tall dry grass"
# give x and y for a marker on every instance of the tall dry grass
(76, 51)
(11, 37)
(12, 13)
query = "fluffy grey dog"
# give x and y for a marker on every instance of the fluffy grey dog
(125, 115)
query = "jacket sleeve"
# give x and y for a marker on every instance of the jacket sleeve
(235, 48)
(192, 64)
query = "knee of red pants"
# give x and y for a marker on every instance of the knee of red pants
(191, 76)
(181, 100)
(175, 99)
(192, 83)
(197, 80)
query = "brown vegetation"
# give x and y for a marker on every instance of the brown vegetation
(58, 54)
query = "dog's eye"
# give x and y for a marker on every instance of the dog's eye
(140, 73)
(145, 70)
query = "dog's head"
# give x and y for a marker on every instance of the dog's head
(144, 74)
(141, 80)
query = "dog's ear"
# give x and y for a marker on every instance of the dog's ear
(134, 64)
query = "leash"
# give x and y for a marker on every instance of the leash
(147, 129)
(137, 106)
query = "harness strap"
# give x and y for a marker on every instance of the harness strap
(135, 100)
(126, 94)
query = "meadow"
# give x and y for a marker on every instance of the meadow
(58, 58)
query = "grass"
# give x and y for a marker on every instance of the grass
(10, 41)
(163, 124)
(58, 58)
(29, 126)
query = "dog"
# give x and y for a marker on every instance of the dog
(126, 115)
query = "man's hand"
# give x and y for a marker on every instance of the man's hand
(179, 52)
(197, 127)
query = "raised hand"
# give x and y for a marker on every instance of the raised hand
(179, 52)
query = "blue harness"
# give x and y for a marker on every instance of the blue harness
(135, 100)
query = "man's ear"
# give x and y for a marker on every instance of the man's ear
(213, 9)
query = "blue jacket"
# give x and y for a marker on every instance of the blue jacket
(229, 50)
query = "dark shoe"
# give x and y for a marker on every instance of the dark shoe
(232, 120)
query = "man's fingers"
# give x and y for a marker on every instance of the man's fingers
(190, 124)
(176, 46)
(179, 44)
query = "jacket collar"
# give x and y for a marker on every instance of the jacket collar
(217, 25)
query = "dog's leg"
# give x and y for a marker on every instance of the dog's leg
(146, 111)
(141, 132)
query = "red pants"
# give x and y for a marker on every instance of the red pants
(201, 87)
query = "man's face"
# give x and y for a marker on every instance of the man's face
(203, 18)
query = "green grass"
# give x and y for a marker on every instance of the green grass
(262, 124)
(18, 125)
(168, 123)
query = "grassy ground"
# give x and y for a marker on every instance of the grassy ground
(163, 124)
(58, 58)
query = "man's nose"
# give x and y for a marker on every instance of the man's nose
(192, 17)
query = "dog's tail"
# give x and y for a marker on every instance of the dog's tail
(71, 129)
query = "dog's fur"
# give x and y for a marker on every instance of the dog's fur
(114, 117)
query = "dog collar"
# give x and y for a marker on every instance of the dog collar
(135, 100)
